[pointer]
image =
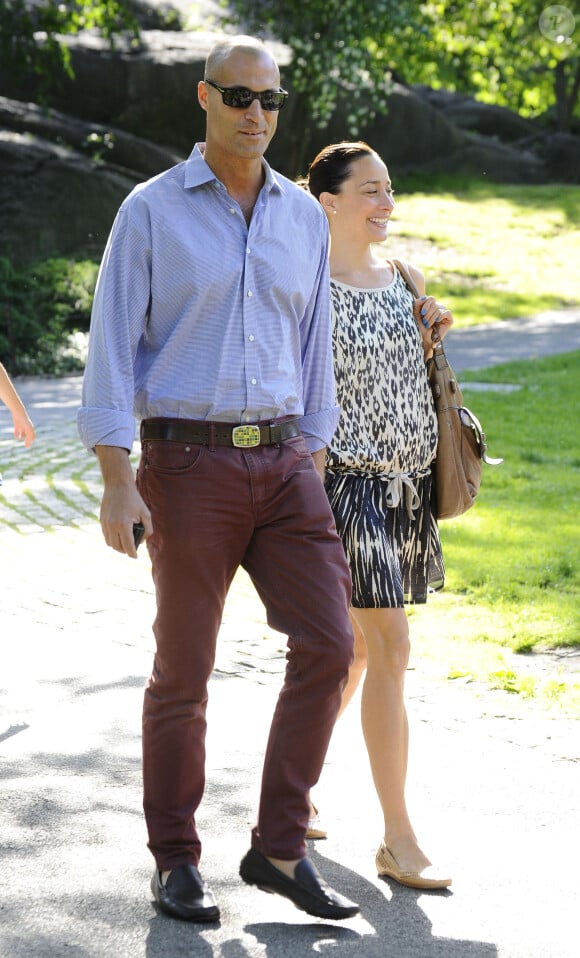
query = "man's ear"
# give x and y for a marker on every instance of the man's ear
(202, 95)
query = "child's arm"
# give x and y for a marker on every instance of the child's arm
(23, 428)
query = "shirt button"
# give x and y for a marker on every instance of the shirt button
(251, 338)
(250, 294)
(232, 210)
(248, 251)
(254, 381)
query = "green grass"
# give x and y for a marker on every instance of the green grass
(513, 560)
(493, 251)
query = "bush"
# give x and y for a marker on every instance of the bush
(43, 309)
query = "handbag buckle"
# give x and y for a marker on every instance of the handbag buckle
(468, 418)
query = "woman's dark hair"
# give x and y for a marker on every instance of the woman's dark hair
(331, 167)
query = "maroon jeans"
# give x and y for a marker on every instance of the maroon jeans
(215, 509)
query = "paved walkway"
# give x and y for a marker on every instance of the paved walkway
(487, 345)
(493, 782)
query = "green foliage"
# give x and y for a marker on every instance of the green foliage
(30, 35)
(496, 52)
(41, 308)
(512, 682)
(334, 53)
(96, 145)
(346, 51)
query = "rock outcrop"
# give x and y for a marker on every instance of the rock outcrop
(62, 180)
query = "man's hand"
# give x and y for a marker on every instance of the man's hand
(319, 459)
(121, 505)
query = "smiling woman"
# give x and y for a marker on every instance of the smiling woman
(378, 469)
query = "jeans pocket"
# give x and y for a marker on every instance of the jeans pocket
(171, 458)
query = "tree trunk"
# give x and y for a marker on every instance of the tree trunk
(566, 89)
(299, 138)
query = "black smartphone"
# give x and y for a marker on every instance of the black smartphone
(138, 533)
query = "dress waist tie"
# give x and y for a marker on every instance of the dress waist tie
(401, 488)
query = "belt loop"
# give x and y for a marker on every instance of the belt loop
(211, 436)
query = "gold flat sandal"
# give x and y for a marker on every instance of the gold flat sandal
(428, 877)
(314, 829)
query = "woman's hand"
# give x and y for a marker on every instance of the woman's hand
(434, 320)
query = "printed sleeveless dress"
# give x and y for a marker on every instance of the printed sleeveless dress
(378, 477)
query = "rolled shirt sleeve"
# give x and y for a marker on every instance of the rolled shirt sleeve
(118, 320)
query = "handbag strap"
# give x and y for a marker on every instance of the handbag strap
(412, 287)
(404, 271)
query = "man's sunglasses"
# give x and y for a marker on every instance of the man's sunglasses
(241, 98)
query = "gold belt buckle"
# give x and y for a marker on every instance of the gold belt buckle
(244, 437)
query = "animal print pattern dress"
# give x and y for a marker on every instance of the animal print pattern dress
(378, 476)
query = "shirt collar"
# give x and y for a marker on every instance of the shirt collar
(197, 172)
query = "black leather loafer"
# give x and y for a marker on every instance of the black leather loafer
(307, 890)
(185, 895)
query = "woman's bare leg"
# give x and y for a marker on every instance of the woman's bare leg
(385, 726)
(355, 674)
(358, 666)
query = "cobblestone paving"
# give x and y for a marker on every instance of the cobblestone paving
(55, 483)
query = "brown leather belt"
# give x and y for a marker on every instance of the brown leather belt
(244, 436)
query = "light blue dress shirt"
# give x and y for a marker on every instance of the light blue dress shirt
(197, 315)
